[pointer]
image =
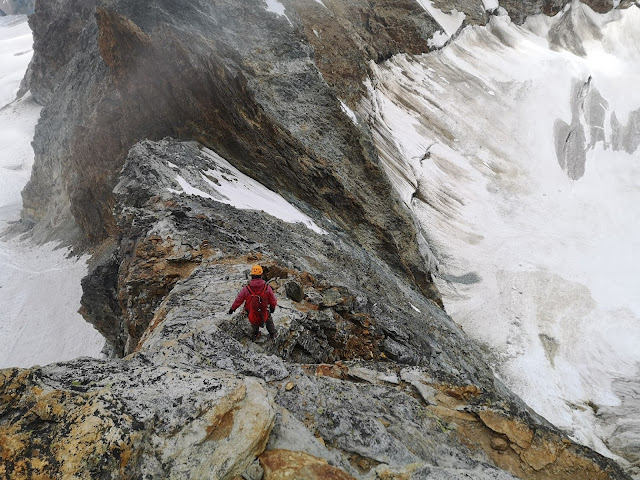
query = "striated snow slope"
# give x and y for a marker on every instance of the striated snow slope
(39, 286)
(517, 148)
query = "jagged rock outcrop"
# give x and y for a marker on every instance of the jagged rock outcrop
(520, 10)
(237, 78)
(366, 373)
(285, 464)
(130, 419)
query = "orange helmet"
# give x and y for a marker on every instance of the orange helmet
(256, 270)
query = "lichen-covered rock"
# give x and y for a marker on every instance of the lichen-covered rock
(130, 419)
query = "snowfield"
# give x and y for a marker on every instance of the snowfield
(224, 183)
(517, 150)
(39, 286)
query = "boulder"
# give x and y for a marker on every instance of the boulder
(294, 291)
(91, 419)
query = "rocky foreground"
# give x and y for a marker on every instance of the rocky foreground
(368, 377)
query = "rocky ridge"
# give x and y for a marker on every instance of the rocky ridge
(368, 377)
(358, 384)
(262, 89)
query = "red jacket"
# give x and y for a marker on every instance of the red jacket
(257, 285)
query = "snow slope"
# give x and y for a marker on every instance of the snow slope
(517, 150)
(224, 183)
(39, 287)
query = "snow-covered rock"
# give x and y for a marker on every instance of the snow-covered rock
(517, 148)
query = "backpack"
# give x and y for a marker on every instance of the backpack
(256, 303)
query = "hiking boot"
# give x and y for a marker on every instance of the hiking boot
(255, 336)
(273, 336)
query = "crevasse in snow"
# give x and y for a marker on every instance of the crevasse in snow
(517, 150)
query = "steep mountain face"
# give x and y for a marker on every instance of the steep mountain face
(519, 11)
(238, 78)
(368, 378)
(261, 88)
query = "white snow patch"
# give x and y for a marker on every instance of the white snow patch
(276, 7)
(321, 3)
(450, 22)
(189, 189)
(16, 50)
(350, 113)
(490, 5)
(226, 184)
(40, 296)
(414, 307)
(438, 40)
(245, 193)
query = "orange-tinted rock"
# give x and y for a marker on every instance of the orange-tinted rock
(500, 444)
(288, 465)
(333, 371)
(77, 430)
(518, 432)
(462, 392)
(541, 453)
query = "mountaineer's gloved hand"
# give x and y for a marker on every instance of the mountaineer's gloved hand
(272, 309)
(230, 311)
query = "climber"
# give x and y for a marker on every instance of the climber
(260, 303)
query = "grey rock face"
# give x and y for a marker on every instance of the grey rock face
(481, 472)
(381, 416)
(587, 128)
(621, 424)
(519, 10)
(135, 419)
(349, 416)
(294, 291)
(570, 140)
(238, 78)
